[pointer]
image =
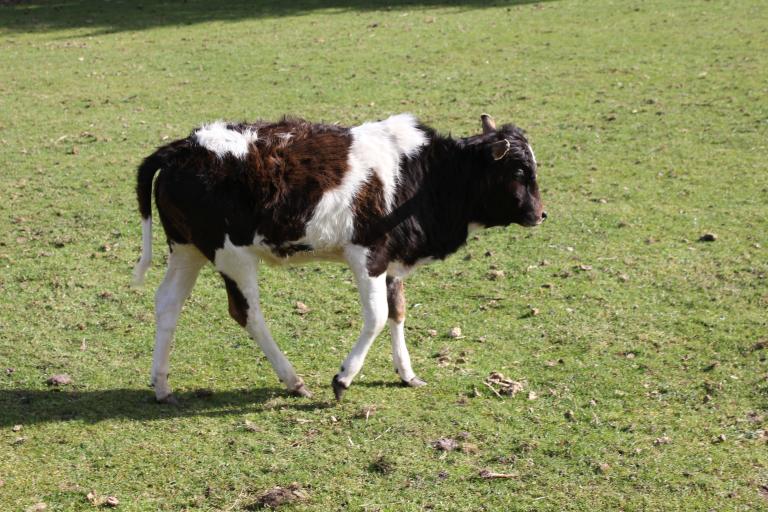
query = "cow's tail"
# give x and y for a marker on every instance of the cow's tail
(144, 177)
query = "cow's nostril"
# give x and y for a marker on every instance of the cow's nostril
(543, 215)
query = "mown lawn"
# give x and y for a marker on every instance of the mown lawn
(646, 380)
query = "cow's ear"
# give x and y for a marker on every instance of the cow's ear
(499, 149)
(489, 125)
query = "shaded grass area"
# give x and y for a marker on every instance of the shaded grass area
(650, 124)
(118, 16)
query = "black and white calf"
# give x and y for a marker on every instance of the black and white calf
(384, 197)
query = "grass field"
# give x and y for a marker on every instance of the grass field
(647, 359)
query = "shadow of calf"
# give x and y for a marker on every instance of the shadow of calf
(29, 406)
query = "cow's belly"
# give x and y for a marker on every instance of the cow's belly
(273, 258)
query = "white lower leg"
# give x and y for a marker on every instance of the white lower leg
(239, 265)
(373, 295)
(400, 356)
(184, 265)
(258, 330)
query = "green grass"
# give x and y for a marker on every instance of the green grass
(650, 121)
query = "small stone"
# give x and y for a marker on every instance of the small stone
(569, 415)
(111, 501)
(251, 426)
(495, 275)
(719, 439)
(662, 440)
(603, 467)
(532, 395)
(623, 278)
(92, 498)
(534, 312)
(61, 379)
(301, 308)
(432, 332)
(445, 444)
(469, 448)
(367, 411)
(455, 332)
(16, 428)
(708, 237)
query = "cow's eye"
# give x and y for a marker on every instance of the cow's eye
(518, 174)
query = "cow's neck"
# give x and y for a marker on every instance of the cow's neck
(439, 192)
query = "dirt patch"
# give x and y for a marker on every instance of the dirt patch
(278, 496)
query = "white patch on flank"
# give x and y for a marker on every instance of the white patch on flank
(221, 140)
(376, 147)
(146, 252)
(532, 153)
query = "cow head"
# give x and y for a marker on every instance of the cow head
(511, 192)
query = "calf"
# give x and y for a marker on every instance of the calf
(384, 197)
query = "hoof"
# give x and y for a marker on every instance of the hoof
(168, 400)
(338, 388)
(302, 391)
(414, 382)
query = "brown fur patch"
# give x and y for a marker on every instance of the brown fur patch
(370, 211)
(273, 191)
(396, 299)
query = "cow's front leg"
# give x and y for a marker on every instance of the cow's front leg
(400, 356)
(373, 299)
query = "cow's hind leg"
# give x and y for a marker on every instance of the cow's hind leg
(400, 356)
(239, 271)
(373, 299)
(184, 264)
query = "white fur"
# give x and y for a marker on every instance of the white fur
(184, 264)
(398, 269)
(376, 147)
(239, 264)
(373, 299)
(400, 356)
(140, 270)
(218, 138)
(332, 222)
(532, 154)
